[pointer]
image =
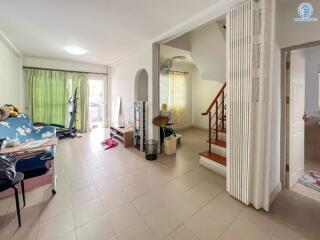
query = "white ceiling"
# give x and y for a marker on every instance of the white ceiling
(107, 29)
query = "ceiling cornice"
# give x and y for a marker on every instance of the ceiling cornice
(9, 44)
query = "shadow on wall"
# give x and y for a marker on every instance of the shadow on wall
(141, 86)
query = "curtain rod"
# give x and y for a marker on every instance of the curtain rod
(179, 72)
(60, 70)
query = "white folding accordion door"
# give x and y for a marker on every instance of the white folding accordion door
(248, 71)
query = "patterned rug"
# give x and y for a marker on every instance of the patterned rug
(311, 179)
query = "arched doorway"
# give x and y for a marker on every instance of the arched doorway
(141, 86)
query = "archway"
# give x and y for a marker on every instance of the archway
(141, 86)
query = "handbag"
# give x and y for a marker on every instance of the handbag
(7, 169)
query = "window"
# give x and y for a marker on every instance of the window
(173, 92)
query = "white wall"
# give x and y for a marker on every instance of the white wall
(207, 47)
(288, 33)
(183, 42)
(204, 91)
(11, 84)
(292, 32)
(208, 50)
(312, 57)
(123, 80)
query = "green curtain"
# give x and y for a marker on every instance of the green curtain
(48, 95)
(79, 82)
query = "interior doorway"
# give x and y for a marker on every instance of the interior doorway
(192, 76)
(301, 118)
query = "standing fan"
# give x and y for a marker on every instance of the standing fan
(165, 68)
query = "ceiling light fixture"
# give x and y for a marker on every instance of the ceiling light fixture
(75, 50)
(179, 58)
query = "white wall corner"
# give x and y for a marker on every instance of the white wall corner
(9, 44)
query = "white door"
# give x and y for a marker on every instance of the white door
(296, 122)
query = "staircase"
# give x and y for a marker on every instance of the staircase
(215, 157)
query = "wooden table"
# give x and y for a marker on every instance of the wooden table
(125, 135)
(20, 150)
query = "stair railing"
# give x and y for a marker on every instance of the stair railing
(216, 112)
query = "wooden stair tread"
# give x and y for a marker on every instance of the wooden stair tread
(219, 143)
(214, 157)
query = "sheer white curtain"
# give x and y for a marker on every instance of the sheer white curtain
(177, 101)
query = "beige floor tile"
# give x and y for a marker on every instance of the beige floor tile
(100, 229)
(261, 219)
(244, 229)
(186, 181)
(137, 231)
(280, 206)
(5, 205)
(284, 233)
(84, 195)
(107, 187)
(302, 214)
(9, 222)
(124, 217)
(114, 200)
(182, 207)
(33, 197)
(224, 209)
(182, 233)
(56, 205)
(129, 188)
(87, 212)
(162, 222)
(29, 234)
(69, 236)
(136, 190)
(77, 185)
(147, 203)
(201, 195)
(156, 180)
(56, 227)
(204, 227)
(167, 192)
(128, 179)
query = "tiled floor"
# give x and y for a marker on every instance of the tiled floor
(118, 195)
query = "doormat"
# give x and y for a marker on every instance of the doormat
(311, 179)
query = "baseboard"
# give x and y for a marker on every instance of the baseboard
(273, 195)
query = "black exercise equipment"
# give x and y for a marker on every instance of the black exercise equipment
(71, 130)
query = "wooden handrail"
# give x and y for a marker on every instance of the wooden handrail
(215, 100)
